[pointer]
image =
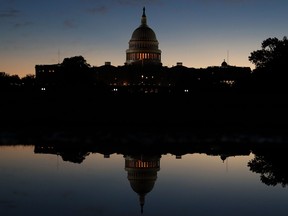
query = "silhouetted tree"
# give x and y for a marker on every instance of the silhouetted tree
(9, 82)
(28, 81)
(271, 63)
(272, 167)
(75, 63)
(75, 73)
(4, 80)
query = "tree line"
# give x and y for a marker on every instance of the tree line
(14, 82)
(269, 75)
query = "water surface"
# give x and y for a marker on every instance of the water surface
(37, 180)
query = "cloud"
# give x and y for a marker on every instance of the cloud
(98, 10)
(9, 13)
(226, 1)
(22, 24)
(138, 2)
(71, 24)
(103, 6)
(96, 6)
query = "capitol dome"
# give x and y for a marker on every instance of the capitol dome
(143, 45)
(224, 64)
(144, 33)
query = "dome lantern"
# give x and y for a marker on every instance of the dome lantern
(144, 18)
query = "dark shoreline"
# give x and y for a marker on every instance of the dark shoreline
(74, 144)
(205, 110)
(226, 124)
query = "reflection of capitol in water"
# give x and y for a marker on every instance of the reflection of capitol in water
(142, 174)
(142, 168)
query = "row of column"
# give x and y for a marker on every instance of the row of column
(141, 56)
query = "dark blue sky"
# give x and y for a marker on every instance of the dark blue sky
(199, 33)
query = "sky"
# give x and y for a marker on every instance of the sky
(198, 33)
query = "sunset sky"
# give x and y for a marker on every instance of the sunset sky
(199, 33)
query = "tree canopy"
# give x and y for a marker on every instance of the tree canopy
(271, 63)
(75, 63)
(75, 73)
(273, 54)
(271, 166)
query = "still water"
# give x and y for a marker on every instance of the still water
(40, 181)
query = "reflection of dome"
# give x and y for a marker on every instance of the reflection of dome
(143, 45)
(142, 174)
(144, 185)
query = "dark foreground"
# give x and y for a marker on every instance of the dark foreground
(145, 120)
(204, 110)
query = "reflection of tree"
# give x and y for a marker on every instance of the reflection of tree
(271, 167)
(68, 153)
(74, 156)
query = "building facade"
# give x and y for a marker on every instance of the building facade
(142, 72)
